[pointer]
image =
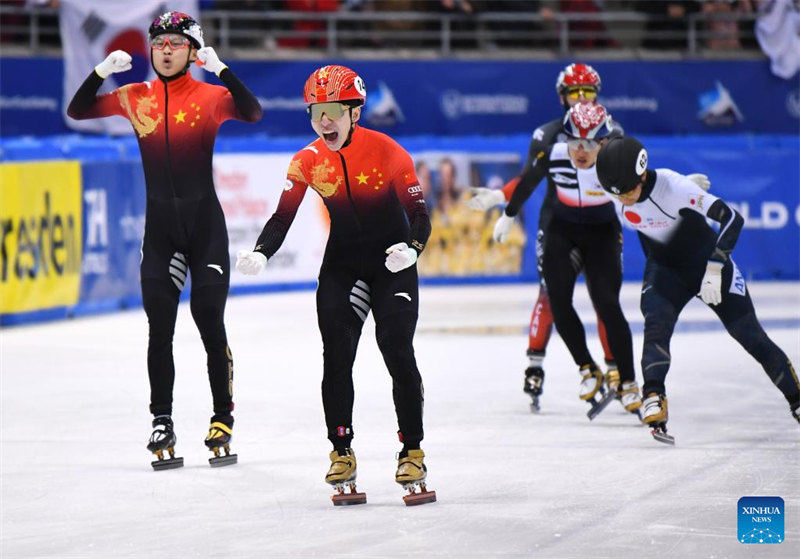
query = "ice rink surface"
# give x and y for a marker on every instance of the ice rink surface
(77, 481)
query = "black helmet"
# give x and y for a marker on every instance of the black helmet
(620, 164)
(180, 24)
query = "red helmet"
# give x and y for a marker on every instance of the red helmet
(334, 83)
(577, 74)
(588, 121)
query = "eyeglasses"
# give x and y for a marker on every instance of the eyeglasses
(588, 145)
(589, 93)
(333, 110)
(175, 42)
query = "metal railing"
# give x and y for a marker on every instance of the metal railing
(275, 34)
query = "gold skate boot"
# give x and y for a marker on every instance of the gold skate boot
(342, 474)
(411, 473)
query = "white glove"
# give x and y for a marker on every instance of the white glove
(711, 288)
(700, 180)
(250, 263)
(484, 198)
(400, 257)
(502, 227)
(117, 61)
(208, 60)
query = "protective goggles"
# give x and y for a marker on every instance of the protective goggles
(175, 42)
(589, 93)
(587, 145)
(333, 110)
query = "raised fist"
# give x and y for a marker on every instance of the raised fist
(117, 61)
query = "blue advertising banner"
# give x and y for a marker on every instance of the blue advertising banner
(113, 223)
(457, 98)
(30, 97)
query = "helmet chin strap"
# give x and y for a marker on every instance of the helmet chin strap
(162, 77)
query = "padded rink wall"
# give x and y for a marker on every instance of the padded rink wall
(72, 214)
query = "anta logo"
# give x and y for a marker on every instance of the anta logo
(216, 267)
(404, 295)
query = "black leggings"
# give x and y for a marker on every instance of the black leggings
(344, 299)
(601, 248)
(202, 236)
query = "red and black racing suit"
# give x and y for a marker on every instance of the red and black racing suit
(374, 200)
(176, 122)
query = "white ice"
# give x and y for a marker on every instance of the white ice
(77, 481)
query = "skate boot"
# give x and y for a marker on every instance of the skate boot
(591, 387)
(342, 474)
(612, 379)
(795, 409)
(411, 473)
(655, 415)
(534, 379)
(628, 395)
(164, 439)
(219, 435)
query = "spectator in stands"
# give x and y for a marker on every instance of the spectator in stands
(463, 28)
(308, 26)
(667, 24)
(383, 28)
(723, 33)
(587, 34)
(248, 31)
(522, 33)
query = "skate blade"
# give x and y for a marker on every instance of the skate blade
(420, 498)
(535, 407)
(345, 499)
(168, 464)
(660, 434)
(220, 461)
(598, 407)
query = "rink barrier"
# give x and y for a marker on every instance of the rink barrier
(757, 174)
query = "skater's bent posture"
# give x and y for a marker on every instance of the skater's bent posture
(576, 83)
(379, 224)
(685, 258)
(583, 219)
(176, 120)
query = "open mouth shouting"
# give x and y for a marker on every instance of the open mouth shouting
(330, 137)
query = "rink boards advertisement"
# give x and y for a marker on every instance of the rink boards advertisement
(72, 231)
(456, 98)
(40, 220)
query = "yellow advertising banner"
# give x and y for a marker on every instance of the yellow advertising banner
(40, 235)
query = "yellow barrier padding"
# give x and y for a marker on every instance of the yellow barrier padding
(41, 216)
